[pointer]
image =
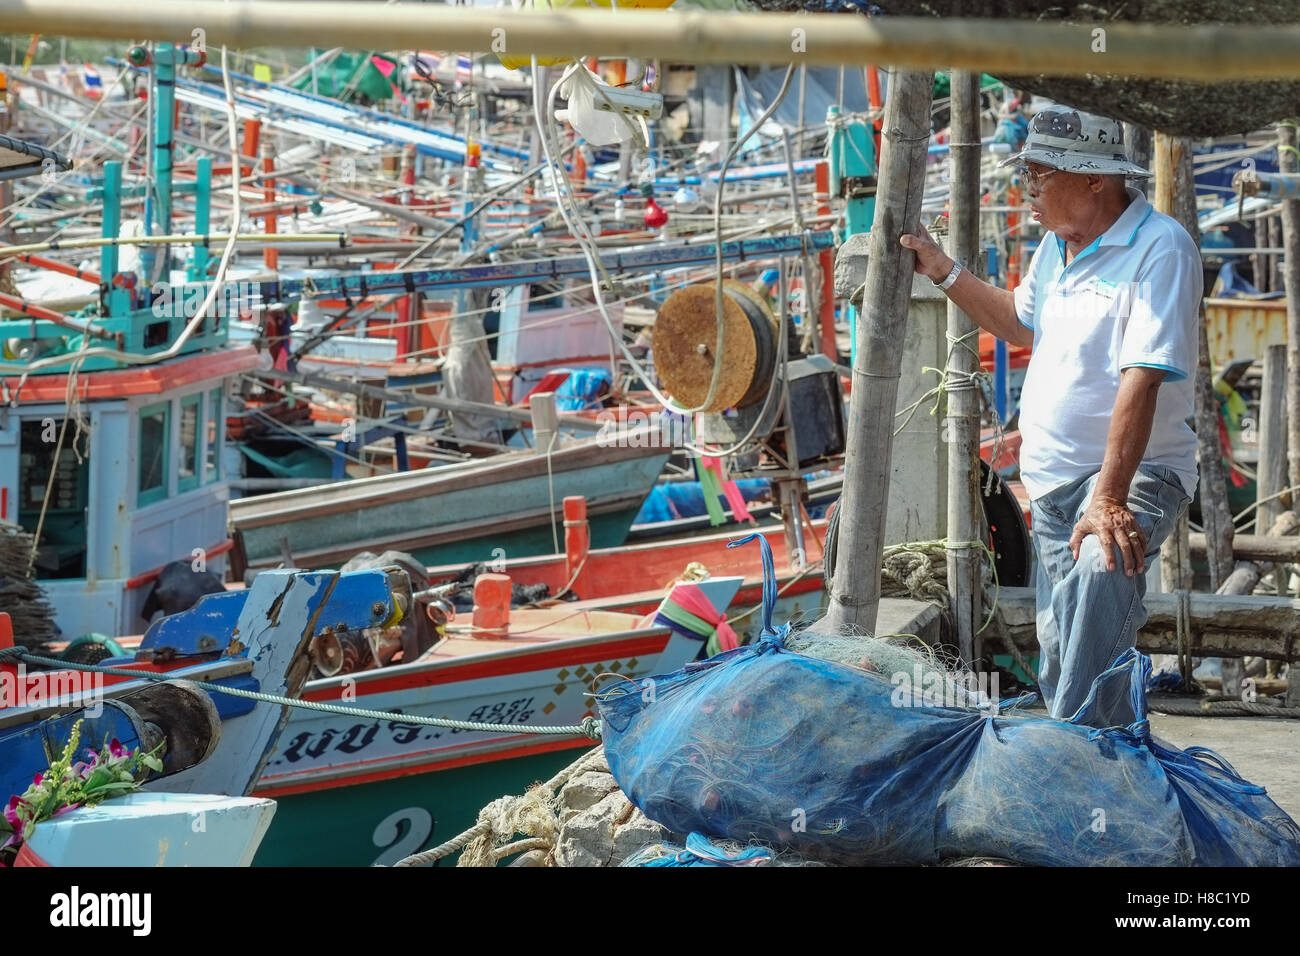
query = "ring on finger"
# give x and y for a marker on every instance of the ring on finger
(1132, 534)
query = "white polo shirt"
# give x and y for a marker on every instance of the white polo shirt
(1130, 298)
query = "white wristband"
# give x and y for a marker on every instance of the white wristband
(946, 284)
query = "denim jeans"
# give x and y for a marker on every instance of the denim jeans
(1088, 616)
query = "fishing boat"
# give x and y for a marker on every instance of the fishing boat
(474, 511)
(153, 829)
(254, 640)
(367, 791)
(114, 464)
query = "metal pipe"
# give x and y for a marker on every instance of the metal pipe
(62, 267)
(182, 239)
(1015, 47)
(49, 315)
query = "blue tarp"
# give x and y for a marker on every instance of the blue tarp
(685, 499)
(581, 390)
(1231, 285)
(753, 96)
(761, 743)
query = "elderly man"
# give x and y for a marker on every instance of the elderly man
(1110, 304)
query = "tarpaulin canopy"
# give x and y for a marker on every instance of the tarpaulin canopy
(337, 75)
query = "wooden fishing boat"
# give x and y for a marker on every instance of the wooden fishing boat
(257, 639)
(153, 829)
(473, 511)
(361, 791)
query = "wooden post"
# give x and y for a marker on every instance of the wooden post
(577, 543)
(1274, 242)
(1286, 163)
(855, 594)
(1175, 195)
(963, 424)
(545, 428)
(1272, 438)
(1139, 151)
(1259, 238)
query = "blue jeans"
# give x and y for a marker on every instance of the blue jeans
(1088, 616)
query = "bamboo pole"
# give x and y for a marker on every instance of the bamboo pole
(855, 592)
(963, 432)
(1200, 53)
(1176, 196)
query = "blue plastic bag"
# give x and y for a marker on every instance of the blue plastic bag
(762, 743)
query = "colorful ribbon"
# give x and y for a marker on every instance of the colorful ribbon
(687, 610)
(714, 482)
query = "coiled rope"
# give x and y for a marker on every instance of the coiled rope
(533, 815)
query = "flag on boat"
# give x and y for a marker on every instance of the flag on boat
(94, 86)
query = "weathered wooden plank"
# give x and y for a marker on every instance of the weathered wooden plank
(1256, 547)
(1245, 576)
(1222, 625)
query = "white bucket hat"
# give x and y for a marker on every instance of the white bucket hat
(1076, 142)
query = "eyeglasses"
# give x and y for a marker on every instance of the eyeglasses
(1034, 179)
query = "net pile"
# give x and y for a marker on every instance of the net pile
(840, 763)
(20, 596)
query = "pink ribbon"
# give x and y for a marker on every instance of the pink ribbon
(730, 490)
(690, 598)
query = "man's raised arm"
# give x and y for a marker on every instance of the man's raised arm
(991, 308)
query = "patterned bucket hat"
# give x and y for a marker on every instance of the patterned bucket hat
(1076, 142)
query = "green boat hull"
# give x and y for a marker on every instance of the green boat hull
(607, 531)
(383, 821)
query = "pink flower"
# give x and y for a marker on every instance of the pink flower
(62, 810)
(11, 812)
(36, 780)
(116, 749)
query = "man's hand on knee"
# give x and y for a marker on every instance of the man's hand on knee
(1115, 527)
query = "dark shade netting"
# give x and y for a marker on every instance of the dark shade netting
(1176, 107)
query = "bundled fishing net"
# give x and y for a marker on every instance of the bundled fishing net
(20, 596)
(906, 663)
(832, 762)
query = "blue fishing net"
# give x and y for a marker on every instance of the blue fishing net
(832, 762)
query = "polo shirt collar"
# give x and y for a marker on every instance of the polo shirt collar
(1124, 230)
